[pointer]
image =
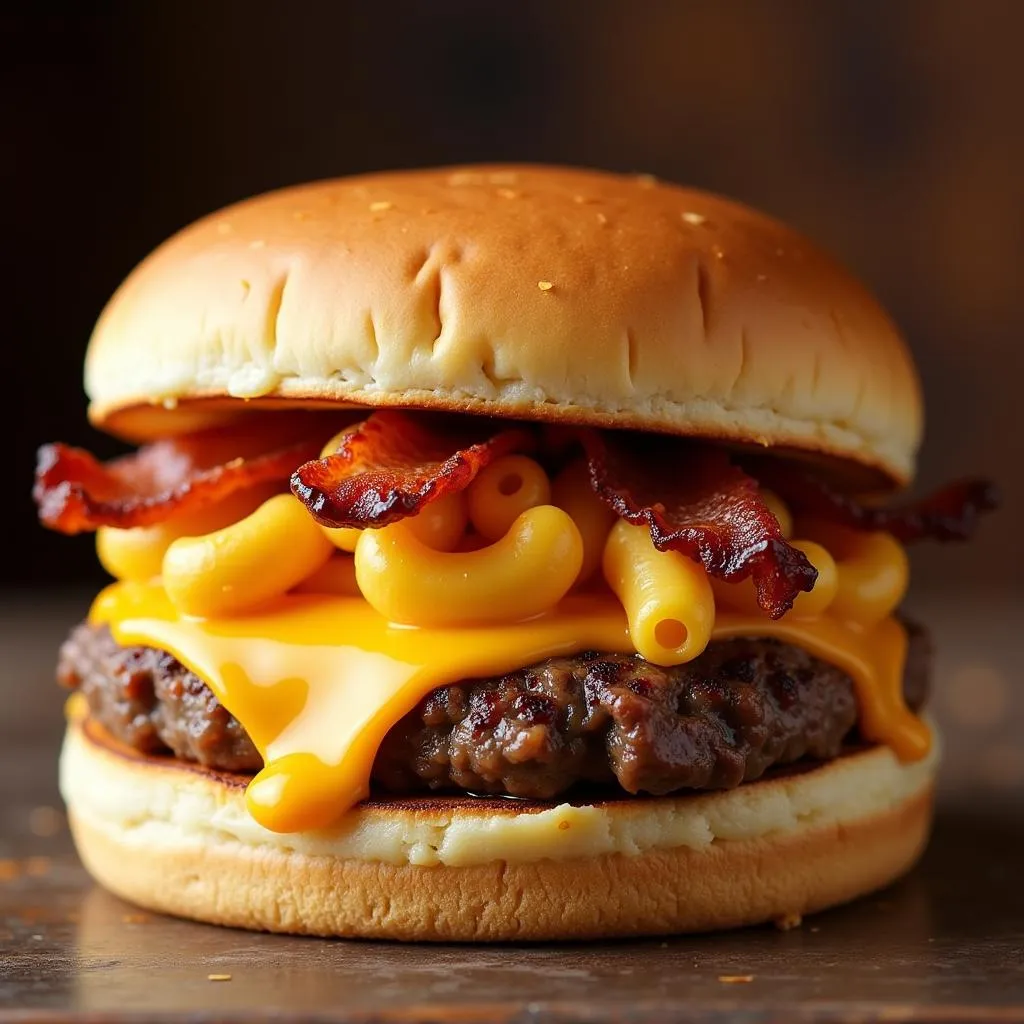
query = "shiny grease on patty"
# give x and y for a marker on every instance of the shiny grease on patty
(724, 718)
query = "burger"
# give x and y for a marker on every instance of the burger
(505, 553)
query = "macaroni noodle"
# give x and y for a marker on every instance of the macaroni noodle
(441, 524)
(873, 578)
(571, 491)
(344, 538)
(780, 510)
(503, 491)
(872, 570)
(138, 553)
(810, 604)
(742, 596)
(666, 596)
(247, 563)
(525, 573)
(336, 576)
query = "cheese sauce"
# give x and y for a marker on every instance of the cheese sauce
(318, 680)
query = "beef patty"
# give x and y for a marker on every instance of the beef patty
(743, 706)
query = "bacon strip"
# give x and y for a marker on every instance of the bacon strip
(393, 464)
(75, 492)
(696, 501)
(951, 513)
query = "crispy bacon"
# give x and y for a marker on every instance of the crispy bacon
(393, 464)
(948, 514)
(693, 497)
(696, 501)
(75, 492)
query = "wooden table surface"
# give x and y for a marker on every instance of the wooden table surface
(945, 944)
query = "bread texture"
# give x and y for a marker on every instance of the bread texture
(541, 293)
(176, 838)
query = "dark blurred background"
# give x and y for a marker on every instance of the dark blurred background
(890, 131)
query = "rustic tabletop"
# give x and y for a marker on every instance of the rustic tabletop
(945, 944)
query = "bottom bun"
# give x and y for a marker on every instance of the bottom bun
(176, 838)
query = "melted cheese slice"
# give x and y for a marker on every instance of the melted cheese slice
(318, 680)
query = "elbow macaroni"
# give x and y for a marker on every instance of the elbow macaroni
(440, 525)
(666, 596)
(572, 492)
(862, 577)
(241, 566)
(813, 603)
(742, 596)
(344, 538)
(525, 573)
(872, 578)
(780, 510)
(336, 576)
(503, 491)
(525, 535)
(138, 553)
(873, 571)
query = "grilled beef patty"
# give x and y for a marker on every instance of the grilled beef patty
(743, 706)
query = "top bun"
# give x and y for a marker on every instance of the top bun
(530, 292)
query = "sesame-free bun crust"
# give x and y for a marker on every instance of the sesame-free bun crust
(532, 292)
(175, 838)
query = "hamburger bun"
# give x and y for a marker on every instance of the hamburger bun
(523, 293)
(176, 838)
(526, 292)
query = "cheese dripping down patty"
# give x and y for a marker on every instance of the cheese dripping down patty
(317, 680)
(318, 654)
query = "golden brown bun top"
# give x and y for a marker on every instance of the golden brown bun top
(532, 292)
